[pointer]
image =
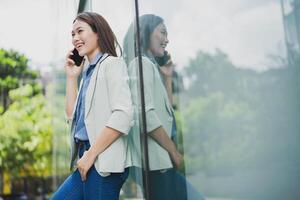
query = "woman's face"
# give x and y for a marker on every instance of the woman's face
(84, 39)
(159, 40)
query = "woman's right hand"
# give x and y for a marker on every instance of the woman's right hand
(72, 71)
(177, 159)
(168, 68)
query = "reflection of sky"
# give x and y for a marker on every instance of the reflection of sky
(246, 30)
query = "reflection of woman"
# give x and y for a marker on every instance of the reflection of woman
(166, 70)
(102, 113)
(158, 109)
(165, 181)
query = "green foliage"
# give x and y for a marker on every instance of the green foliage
(14, 72)
(25, 119)
(26, 133)
(60, 138)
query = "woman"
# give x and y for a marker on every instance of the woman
(100, 113)
(165, 182)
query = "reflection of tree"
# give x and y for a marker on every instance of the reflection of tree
(60, 139)
(235, 119)
(210, 73)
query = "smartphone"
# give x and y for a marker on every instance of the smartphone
(76, 57)
(164, 59)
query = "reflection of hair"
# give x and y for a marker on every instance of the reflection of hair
(147, 24)
(107, 40)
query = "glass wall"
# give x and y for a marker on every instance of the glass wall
(216, 96)
(215, 89)
(119, 15)
(235, 96)
(62, 16)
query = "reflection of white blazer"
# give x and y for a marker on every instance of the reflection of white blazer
(158, 114)
(108, 103)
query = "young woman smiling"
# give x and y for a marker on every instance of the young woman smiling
(100, 113)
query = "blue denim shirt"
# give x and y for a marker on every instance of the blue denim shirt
(80, 129)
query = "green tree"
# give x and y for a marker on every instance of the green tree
(26, 132)
(14, 72)
(25, 119)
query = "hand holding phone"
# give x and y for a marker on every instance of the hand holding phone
(161, 61)
(76, 57)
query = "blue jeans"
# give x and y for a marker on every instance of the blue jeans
(95, 187)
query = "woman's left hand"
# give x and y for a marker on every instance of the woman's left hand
(85, 163)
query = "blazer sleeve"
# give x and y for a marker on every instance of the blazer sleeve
(121, 118)
(153, 121)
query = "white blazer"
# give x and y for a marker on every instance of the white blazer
(107, 104)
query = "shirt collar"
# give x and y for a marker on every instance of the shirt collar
(92, 65)
(95, 60)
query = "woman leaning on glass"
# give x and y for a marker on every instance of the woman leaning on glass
(100, 113)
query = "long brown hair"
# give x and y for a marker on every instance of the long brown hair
(107, 40)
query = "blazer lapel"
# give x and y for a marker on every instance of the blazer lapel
(92, 86)
(75, 105)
